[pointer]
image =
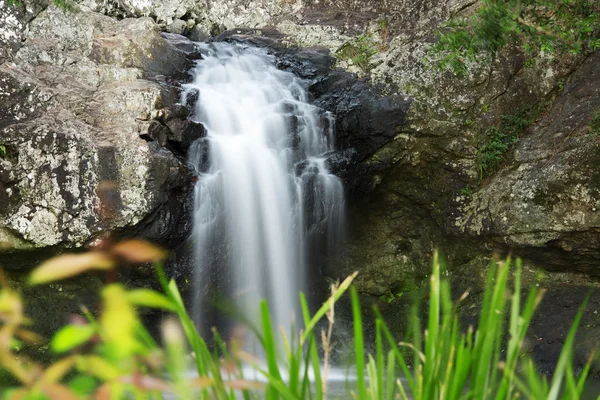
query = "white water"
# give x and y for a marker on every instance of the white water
(265, 205)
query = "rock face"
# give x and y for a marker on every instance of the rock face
(545, 204)
(74, 106)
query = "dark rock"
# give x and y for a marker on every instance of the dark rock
(183, 133)
(307, 63)
(183, 44)
(180, 42)
(178, 111)
(365, 120)
(156, 132)
(200, 151)
(192, 98)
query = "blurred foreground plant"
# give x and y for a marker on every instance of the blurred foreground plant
(114, 356)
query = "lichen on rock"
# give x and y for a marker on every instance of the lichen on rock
(75, 165)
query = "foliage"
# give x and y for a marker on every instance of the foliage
(498, 140)
(359, 51)
(114, 357)
(548, 26)
(64, 4)
(466, 191)
(2, 150)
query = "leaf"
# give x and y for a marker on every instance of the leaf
(10, 302)
(150, 298)
(98, 367)
(58, 370)
(59, 392)
(28, 336)
(103, 393)
(71, 336)
(242, 384)
(201, 382)
(139, 251)
(83, 385)
(118, 322)
(18, 394)
(146, 382)
(69, 265)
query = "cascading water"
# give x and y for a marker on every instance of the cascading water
(266, 204)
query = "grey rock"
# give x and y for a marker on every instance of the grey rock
(75, 165)
(178, 26)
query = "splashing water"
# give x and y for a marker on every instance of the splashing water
(266, 205)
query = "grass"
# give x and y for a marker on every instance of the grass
(113, 356)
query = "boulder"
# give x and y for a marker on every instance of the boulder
(73, 105)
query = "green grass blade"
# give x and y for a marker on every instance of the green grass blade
(374, 388)
(312, 350)
(380, 357)
(391, 373)
(400, 358)
(583, 376)
(566, 353)
(359, 345)
(270, 346)
(310, 325)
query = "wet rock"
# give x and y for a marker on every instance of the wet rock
(192, 97)
(365, 121)
(180, 42)
(183, 132)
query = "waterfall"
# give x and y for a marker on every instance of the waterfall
(266, 205)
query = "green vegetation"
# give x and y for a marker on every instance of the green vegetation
(466, 191)
(384, 31)
(499, 139)
(2, 150)
(64, 4)
(536, 26)
(359, 51)
(113, 356)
